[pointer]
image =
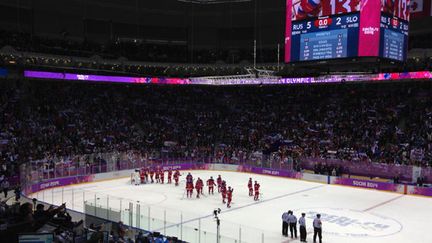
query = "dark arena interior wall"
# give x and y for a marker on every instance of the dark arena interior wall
(213, 25)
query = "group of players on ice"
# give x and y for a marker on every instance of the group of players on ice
(146, 175)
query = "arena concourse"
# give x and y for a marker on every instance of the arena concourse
(215, 121)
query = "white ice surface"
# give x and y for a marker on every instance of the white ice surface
(349, 214)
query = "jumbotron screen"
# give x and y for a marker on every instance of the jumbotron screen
(330, 29)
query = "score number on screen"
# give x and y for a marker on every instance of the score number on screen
(323, 23)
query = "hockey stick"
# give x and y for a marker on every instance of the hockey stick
(183, 197)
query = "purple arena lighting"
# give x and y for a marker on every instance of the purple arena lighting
(180, 81)
(103, 78)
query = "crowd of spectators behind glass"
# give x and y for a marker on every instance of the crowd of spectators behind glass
(30, 217)
(53, 122)
(25, 217)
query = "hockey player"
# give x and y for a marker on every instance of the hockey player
(256, 188)
(146, 174)
(189, 189)
(224, 192)
(136, 178)
(151, 172)
(210, 184)
(229, 196)
(219, 183)
(199, 186)
(189, 178)
(176, 177)
(142, 176)
(169, 176)
(250, 187)
(202, 185)
(162, 175)
(157, 174)
(189, 185)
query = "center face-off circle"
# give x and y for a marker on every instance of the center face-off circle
(353, 223)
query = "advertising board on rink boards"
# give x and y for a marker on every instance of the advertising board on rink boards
(315, 178)
(376, 185)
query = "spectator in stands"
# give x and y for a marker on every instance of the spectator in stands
(5, 187)
(17, 192)
(119, 231)
(40, 213)
(140, 238)
(97, 236)
(420, 181)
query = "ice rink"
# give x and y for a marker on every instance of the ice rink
(348, 214)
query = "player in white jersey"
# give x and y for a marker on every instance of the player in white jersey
(136, 177)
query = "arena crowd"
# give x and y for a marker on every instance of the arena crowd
(50, 121)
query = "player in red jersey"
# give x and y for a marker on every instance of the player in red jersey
(142, 176)
(189, 189)
(250, 187)
(256, 188)
(189, 178)
(224, 192)
(229, 196)
(162, 175)
(210, 184)
(219, 183)
(199, 186)
(169, 176)
(151, 172)
(176, 177)
(189, 184)
(157, 174)
(146, 174)
(145, 171)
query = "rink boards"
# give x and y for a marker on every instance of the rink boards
(366, 184)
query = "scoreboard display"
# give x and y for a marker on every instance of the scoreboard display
(325, 38)
(394, 37)
(330, 29)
